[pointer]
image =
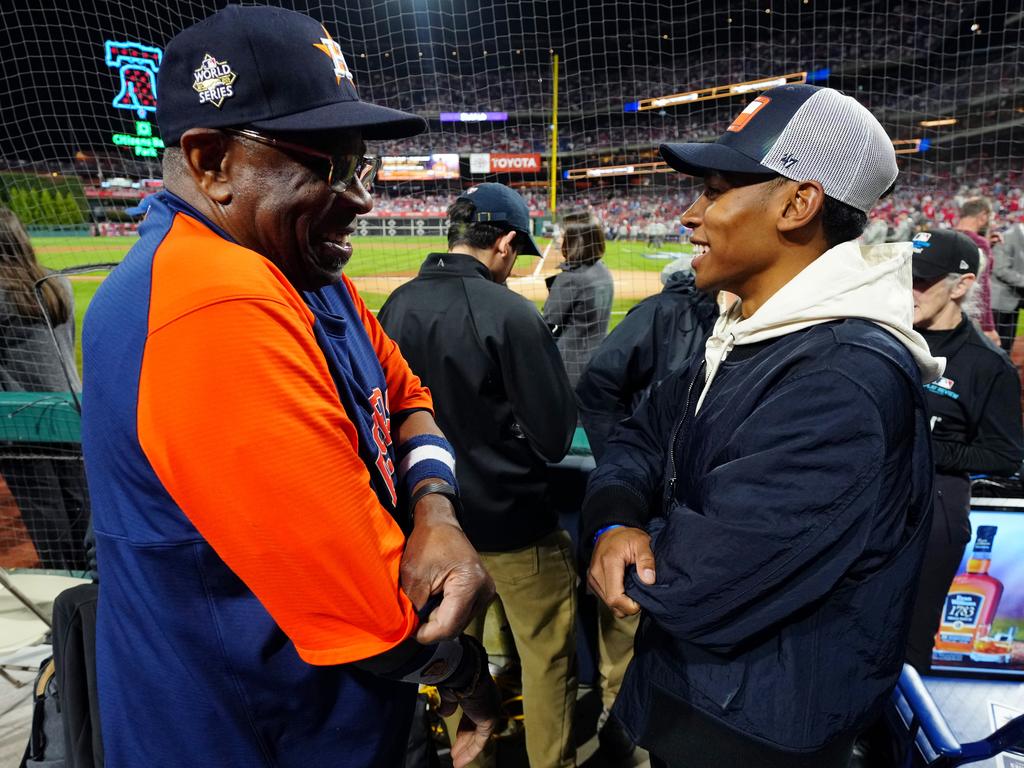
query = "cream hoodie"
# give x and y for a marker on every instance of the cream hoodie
(870, 282)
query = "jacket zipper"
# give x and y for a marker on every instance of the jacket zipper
(675, 433)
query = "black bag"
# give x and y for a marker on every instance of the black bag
(74, 651)
(65, 719)
(46, 741)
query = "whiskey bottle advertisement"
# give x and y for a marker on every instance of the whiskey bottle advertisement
(981, 622)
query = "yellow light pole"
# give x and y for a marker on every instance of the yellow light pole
(554, 136)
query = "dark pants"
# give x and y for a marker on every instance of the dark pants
(677, 735)
(421, 752)
(54, 505)
(1006, 327)
(951, 532)
(841, 758)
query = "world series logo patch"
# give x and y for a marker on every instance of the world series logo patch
(214, 80)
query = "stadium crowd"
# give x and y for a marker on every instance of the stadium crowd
(927, 198)
(575, 137)
(917, 34)
(225, 389)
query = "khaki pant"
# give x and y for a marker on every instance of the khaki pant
(537, 589)
(614, 649)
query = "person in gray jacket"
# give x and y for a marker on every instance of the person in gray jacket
(875, 232)
(579, 303)
(1007, 283)
(904, 229)
(50, 493)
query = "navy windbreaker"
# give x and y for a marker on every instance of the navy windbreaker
(797, 506)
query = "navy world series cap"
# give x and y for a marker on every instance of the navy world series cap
(498, 204)
(941, 252)
(804, 133)
(268, 68)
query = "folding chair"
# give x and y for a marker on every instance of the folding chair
(26, 604)
(916, 718)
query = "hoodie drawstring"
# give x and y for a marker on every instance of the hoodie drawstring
(717, 350)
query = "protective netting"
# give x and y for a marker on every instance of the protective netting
(79, 145)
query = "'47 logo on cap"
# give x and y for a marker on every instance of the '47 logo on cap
(213, 81)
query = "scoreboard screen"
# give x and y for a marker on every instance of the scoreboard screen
(419, 168)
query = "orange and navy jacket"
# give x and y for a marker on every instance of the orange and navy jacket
(239, 458)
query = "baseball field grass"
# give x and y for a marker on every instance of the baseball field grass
(378, 265)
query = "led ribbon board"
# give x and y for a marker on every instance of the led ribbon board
(473, 117)
(633, 169)
(715, 92)
(911, 146)
(902, 147)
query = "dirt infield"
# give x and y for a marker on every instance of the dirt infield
(16, 548)
(629, 284)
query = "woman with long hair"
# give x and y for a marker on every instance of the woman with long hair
(46, 479)
(579, 303)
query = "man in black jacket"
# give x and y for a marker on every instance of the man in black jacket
(975, 417)
(503, 399)
(767, 506)
(657, 336)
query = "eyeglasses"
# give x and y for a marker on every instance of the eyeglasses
(342, 169)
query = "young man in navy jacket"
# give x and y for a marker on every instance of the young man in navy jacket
(768, 505)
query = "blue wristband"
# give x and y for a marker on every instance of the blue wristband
(605, 530)
(426, 456)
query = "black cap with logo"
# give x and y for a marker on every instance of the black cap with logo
(941, 252)
(501, 205)
(268, 68)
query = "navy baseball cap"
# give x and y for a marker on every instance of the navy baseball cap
(941, 252)
(268, 68)
(802, 132)
(501, 205)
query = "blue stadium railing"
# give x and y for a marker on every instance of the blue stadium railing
(929, 736)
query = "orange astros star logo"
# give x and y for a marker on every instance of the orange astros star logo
(332, 49)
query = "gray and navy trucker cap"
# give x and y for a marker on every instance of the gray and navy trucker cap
(498, 204)
(266, 68)
(802, 132)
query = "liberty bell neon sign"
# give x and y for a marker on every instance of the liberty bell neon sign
(137, 66)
